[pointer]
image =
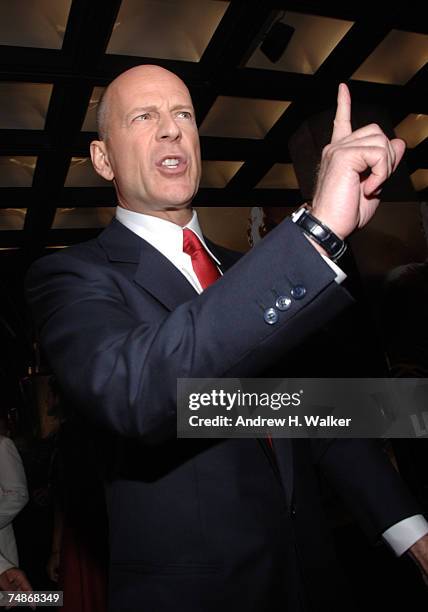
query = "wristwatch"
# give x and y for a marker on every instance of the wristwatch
(312, 227)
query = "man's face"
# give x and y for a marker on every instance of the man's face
(152, 142)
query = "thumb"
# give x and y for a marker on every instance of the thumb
(399, 147)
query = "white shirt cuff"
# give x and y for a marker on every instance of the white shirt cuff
(405, 533)
(340, 274)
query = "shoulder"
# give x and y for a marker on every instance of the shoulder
(114, 243)
(8, 448)
(83, 259)
(84, 252)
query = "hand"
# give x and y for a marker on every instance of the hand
(419, 553)
(14, 579)
(353, 168)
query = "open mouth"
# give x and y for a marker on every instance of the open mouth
(172, 164)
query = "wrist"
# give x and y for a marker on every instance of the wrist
(316, 246)
(327, 221)
(319, 233)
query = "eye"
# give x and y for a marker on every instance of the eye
(185, 115)
(142, 117)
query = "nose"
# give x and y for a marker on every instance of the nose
(168, 128)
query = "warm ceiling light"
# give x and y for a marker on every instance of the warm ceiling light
(242, 117)
(420, 179)
(164, 29)
(313, 40)
(396, 59)
(81, 173)
(81, 218)
(17, 170)
(23, 106)
(90, 122)
(12, 218)
(280, 176)
(413, 129)
(218, 173)
(29, 23)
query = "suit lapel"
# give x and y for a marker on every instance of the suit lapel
(154, 272)
(157, 275)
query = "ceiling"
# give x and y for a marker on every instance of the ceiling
(56, 57)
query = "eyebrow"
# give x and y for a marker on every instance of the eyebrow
(138, 109)
(152, 108)
(183, 107)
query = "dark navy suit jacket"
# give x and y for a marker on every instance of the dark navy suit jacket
(202, 525)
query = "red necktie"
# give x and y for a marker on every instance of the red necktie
(204, 267)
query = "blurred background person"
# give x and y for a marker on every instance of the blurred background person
(13, 497)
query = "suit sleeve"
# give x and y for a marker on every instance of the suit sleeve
(370, 486)
(122, 367)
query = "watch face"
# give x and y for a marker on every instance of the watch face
(332, 244)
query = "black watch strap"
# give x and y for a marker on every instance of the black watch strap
(312, 227)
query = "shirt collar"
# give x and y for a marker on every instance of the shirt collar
(163, 235)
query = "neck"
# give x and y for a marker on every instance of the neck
(179, 217)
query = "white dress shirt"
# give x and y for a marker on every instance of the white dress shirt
(167, 238)
(13, 497)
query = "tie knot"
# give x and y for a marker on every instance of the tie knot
(203, 266)
(191, 243)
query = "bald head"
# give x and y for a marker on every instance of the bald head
(125, 80)
(149, 142)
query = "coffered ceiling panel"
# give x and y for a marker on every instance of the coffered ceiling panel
(313, 40)
(90, 122)
(280, 176)
(242, 117)
(81, 173)
(17, 171)
(57, 57)
(413, 129)
(12, 218)
(167, 28)
(33, 23)
(420, 179)
(24, 105)
(218, 173)
(78, 218)
(396, 59)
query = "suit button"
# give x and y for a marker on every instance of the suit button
(298, 292)
(293, 510)
(270, 316)
(283, 302)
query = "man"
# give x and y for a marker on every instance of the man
(224, 524)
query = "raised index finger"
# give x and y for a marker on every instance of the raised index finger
(342, 122)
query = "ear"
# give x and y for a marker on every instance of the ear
(100, 160)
